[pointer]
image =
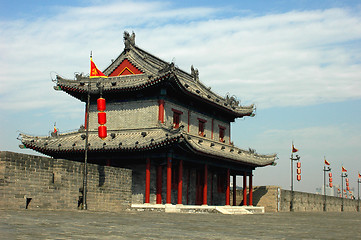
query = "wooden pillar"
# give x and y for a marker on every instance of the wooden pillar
(180, 182)
(161, 110)
(205, 184)
(159, 184)
(228, 188)
(244, 189)
(147, 181)
(250, 190)
(169, 181)
(234, 190)
(188, 184)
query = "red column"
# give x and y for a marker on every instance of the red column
(227, 188)
(205, 184)
(147, 181)
(234, 190)
(159, 185)
(161, 110)
(250, 190)
(169, 180)
(180, 181)
(244, 189)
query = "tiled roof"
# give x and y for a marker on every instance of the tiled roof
(156, 71)
(143, 140)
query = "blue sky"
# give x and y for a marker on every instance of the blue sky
(298, 61)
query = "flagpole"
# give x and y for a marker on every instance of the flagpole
(358, 192)
(297, 158)
(343, 175)
(324, 183)
(85, 207)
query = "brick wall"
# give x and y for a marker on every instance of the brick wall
(55, 183)
(274, 199)
(314, 202)
(126, 115)
(193, 118)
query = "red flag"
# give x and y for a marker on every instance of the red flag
(344, 169)
(55, 130)
(326, 162)
(359, 175)
(94, 71)
(294, 149)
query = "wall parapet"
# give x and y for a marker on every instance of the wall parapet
(275, 199)
(36, 182)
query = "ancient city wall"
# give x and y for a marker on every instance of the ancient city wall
(34, 182)
(314, 202)
(275, 199)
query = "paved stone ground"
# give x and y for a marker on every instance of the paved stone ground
(32, 224)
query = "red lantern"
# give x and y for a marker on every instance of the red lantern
(331, 185)
(346, 179)
(347, 184)
(348, 188)
(102, 118)
(330, 175)
(101, 104)
(102, 131)
(298, 177)
(298, 164)
(330, 180)
(298, 170)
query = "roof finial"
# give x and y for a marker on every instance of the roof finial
(194, 73)
(129, 40)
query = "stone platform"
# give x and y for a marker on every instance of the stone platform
(179, 208)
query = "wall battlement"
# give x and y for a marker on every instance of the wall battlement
(35, 182)
(275, 199)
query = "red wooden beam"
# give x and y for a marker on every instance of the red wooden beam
(244, 189)
(234, 190)
(147, 181)
(227, 188)
(169, 181)
(180, 181)
(205, 184)
(159, 184)
(161, 110)
(250, 190)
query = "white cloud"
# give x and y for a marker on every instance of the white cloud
(294, 58)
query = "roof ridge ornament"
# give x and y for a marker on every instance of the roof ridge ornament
(232, 101)
(129, 40)
(194, 73)
(167, 68)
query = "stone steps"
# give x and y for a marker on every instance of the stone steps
(231, 210)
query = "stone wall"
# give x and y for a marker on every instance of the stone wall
(126, 115)
(264, 196)
(35, 182)
(275, 199)
(314, 202)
